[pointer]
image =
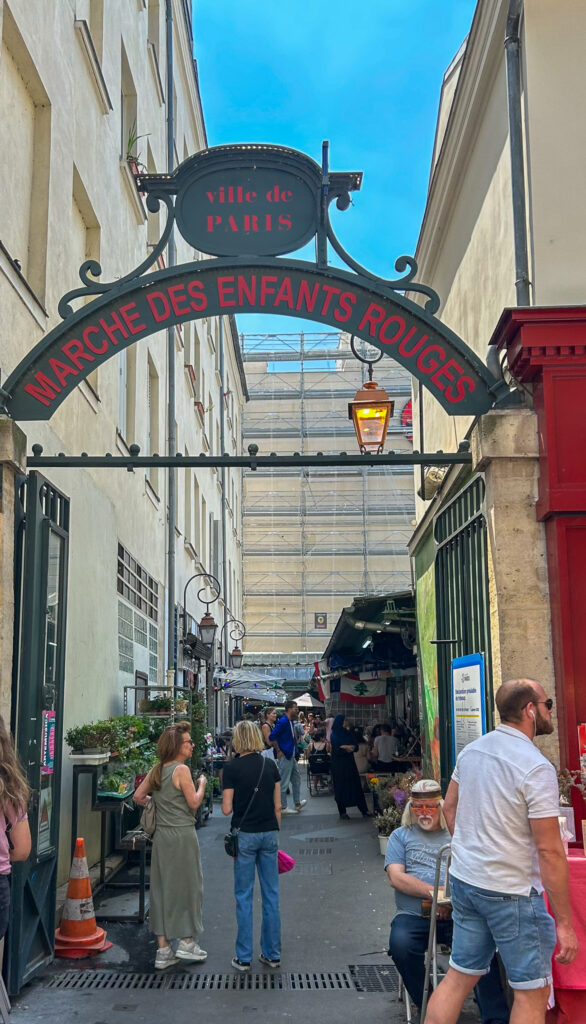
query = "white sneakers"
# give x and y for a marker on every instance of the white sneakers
(165, 958)
(294, 810)
(188, 949)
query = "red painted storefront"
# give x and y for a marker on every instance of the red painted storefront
(546, 349)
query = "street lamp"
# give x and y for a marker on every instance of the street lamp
(207, 631)
(237, 633)
(208, 625)
(370, 410)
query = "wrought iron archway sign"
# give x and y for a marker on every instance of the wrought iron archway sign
(246, 206)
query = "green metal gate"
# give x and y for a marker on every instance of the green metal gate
(462, 603)
(42, 529)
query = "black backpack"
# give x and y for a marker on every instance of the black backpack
(319, 763)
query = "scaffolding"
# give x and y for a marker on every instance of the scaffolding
(316, 539)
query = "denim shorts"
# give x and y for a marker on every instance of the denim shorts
(518, 926)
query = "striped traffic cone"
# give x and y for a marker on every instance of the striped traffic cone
(79, 934)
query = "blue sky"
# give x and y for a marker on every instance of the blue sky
(366, 76)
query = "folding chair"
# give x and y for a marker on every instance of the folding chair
(431, 968)
(404, 995)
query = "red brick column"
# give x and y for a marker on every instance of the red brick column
(546, 349)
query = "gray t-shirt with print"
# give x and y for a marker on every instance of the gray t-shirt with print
(417, 851)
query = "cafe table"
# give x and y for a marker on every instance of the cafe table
(569, 981)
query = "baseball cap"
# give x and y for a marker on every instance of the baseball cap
(426, 787)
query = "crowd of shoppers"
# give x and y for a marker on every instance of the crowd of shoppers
(500, 816)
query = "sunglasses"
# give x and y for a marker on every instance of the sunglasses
(548, 703)
(425, 807)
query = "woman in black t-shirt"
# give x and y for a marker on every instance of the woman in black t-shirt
(253, 782)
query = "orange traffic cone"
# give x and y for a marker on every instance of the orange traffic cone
(79, 934)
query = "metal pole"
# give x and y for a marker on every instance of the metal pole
(172, 474)
(223, 479)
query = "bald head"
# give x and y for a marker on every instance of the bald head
(514, 695)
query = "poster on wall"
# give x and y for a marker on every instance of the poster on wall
(48, 743)
(468, 711)
(45, 812)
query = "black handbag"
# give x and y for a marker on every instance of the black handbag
(231, 837)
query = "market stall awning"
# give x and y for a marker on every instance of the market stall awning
(307, 701)
(234, 676)
(374, 633)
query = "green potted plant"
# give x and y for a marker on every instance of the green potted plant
(92, 738)
(160, 705)
(386, 822)
(116, 784)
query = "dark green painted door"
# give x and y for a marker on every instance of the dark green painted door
(42, 523)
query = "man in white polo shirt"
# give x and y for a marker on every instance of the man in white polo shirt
(502, 808)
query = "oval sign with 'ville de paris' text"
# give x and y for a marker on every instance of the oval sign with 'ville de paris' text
(247, 211)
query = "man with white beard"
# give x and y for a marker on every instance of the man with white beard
(410, 863)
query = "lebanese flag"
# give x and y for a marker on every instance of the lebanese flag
(363, 688)
(323, 685)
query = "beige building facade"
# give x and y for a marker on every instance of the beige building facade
(84, 93)
(316, 539)
(479, 549)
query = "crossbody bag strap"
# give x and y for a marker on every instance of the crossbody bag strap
(254, 792)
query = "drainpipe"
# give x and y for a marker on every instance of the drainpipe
(223, 486)
(172, 474)
(513, 62)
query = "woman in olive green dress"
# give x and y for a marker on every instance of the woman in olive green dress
(176, 883)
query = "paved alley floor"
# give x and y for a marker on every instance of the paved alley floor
(336, 906)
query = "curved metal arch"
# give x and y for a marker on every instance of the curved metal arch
(138, 307)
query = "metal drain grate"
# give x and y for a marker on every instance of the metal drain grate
(313, 868)
(295, 982)
(315, 851)
(374, 978)
(319, 839)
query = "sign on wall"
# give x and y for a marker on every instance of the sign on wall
(468, 706)
(245, 206)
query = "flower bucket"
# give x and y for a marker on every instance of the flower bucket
(383, 840)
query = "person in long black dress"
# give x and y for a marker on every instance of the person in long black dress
(347, 787)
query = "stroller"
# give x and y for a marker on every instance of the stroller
(319, 778)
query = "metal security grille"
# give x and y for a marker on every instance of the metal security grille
(462, 603)
(315, 851)
(294, 982)
(372, 978)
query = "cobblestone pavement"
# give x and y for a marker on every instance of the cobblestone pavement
(336, 907)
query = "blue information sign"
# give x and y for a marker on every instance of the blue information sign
(468, 704)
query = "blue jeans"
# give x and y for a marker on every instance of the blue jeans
(257, 850)
(519, 926)
(407, 946)
(290, 776)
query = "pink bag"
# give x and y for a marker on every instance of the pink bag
(285, 862)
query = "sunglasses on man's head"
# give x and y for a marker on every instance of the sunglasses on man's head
(425, 807)
(548, 703)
